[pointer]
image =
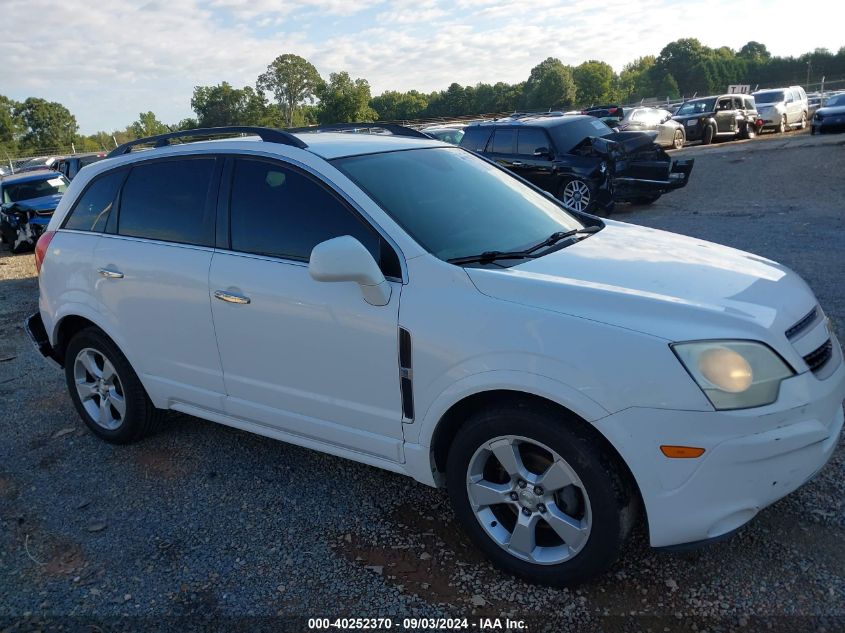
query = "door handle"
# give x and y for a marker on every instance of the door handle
(110, 274)
(228, 297)
(516, 163)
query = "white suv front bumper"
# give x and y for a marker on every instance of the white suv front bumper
(752, 457)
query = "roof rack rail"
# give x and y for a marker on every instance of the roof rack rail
(268, 135)
(393, 128)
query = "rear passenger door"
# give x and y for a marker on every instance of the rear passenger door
(533, 156)
(151, 269)
(306, 358)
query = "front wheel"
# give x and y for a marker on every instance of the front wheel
(577, 195)
(538, 494)
(707, 135)
(105, 389)
(678, 141)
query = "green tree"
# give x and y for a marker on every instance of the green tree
(45, 124)
(397, 106)
(147, 125)
(595, 82)
(344, 100)
(293, 80)
(224, 105)
(635, 82)
(550, 85)
(11, 126)
(679, 59)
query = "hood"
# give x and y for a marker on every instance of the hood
(667, 285)
(831, 110)
(45, 203)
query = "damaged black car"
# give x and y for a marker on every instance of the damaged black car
(27, 202)
(580, 160)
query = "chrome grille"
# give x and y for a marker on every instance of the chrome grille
(803, 324)
(818, 357)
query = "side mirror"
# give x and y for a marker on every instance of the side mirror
(345, 259)
(542, 151)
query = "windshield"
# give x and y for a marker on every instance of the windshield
(454, 203)
(18, 192)
(838, 100)
(773, 96)
(697, 107)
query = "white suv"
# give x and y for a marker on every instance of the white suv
(407, 304)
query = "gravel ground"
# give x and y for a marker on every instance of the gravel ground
(211, 525)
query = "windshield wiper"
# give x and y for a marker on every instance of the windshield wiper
(554, 238)
(488, 257)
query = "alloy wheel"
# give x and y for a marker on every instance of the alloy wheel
(679, 139)
(576, 195)
(99, 388)
(528, 500)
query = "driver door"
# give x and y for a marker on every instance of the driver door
(725, 116)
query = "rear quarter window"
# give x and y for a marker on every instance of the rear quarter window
(93, 207)
(476, 138)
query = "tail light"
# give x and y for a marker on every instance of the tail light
(41, 247)
(759, 122)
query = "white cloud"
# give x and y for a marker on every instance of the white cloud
(108, 60)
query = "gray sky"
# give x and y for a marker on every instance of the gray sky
(108, 60)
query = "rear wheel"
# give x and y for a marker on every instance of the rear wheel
(537, 494)
(748, 131)
(577, 195)
(783, 127)
(707, 135)
(803, 120)
(678, 141)
(105, 389)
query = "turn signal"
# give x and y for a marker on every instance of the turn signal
(681, 452)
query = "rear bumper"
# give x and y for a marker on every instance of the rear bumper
(34, 327)
(752, 458)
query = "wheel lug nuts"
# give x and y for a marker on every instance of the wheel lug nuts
(521, 484)
(538, 490)
(514, 496)
(526, 512)
(542, 507)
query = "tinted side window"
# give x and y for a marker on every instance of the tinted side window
(168, 200)
(503, 141)
(93, 207)
(475, 138)
(280, 212)
(530, 140)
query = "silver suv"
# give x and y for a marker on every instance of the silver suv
(783, 108)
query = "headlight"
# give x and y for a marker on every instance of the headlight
(734, 374)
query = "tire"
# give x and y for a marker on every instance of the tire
(783, 127)
(129, 414)
(577, 194)
(748, 131)
(707, 135)
(812, 130)
(678, 140)
(591, 503)
(803, 121)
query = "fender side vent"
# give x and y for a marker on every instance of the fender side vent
(406, 375)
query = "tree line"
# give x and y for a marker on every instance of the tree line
(291, 93)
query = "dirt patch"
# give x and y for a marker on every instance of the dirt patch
(159, 461)
(427, 560)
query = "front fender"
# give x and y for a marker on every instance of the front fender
(504, 379)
